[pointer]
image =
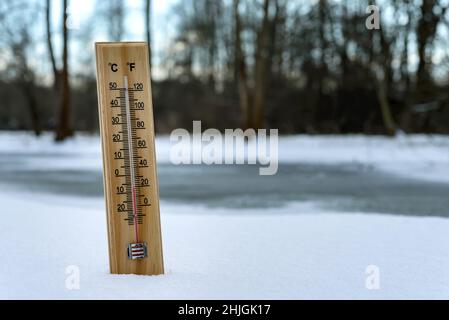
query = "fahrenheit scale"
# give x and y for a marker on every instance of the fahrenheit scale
(129, 165)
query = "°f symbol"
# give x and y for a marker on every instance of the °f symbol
(131, 66)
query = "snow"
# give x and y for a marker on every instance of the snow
(297, 251)
(294, 252)
(424, 157)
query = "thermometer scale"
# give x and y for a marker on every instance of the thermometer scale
(129, 162)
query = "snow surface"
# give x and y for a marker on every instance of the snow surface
(297, 251)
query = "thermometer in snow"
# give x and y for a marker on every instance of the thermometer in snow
(129, 165)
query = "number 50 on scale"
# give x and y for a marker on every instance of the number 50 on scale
(129, 161)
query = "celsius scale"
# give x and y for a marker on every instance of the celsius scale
(129, 161)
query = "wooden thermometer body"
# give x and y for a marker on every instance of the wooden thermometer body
(129, 161)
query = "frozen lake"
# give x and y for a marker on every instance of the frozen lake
(349, 187)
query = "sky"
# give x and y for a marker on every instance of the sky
(81, 12)
(164, 22)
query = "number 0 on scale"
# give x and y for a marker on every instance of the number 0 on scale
(129, 162)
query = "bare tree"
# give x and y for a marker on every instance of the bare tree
(253, 100)
(64, 128)
(383, 77)
(26, 79)
(17, 37)
(241, 73)
(431, 14)
(56, 72)
(115, 15)
(148, 31)
(261, 67)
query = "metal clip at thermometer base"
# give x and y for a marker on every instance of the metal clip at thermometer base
(137, 251)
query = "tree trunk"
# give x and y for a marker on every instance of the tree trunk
(426, 32)
(383, 81)
(148, 32)
(322, 8)
(28, 89)
(382, 97)
(212, 10)
(56, 74)
(115, 19)
(240, 64)
(275, 59)
(405, 119)
(423, 35)
(64, 128)
(261, 68)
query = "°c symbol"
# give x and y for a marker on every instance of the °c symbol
(114, 67)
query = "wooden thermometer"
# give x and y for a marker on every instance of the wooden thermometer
(129, 162)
